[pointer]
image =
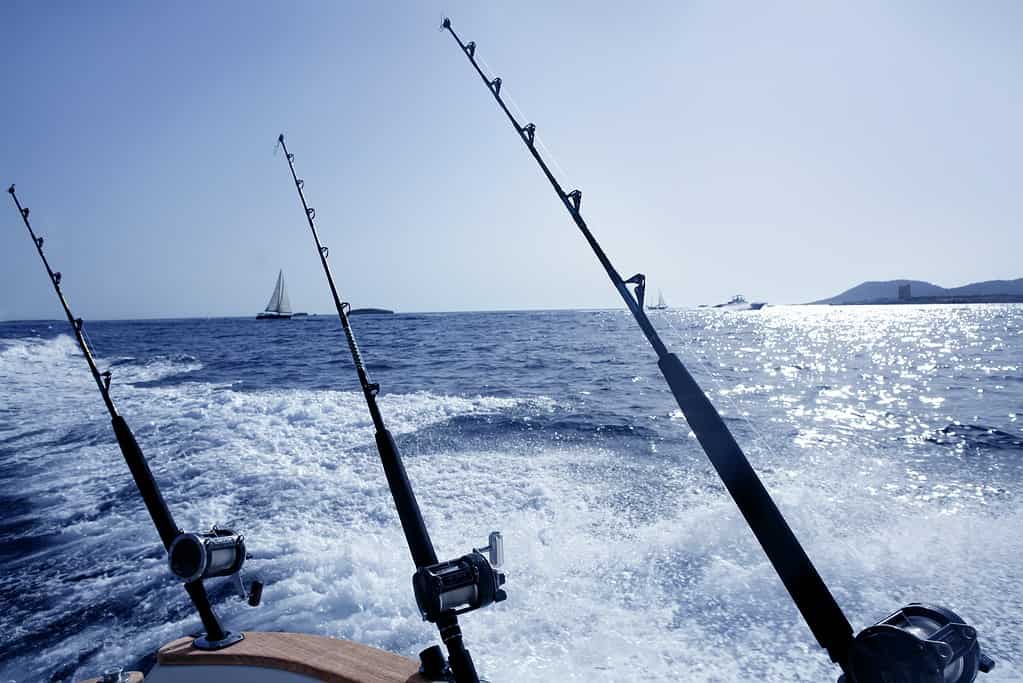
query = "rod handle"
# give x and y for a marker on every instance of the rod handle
(146, 483)
(812, 597)
(409, 513)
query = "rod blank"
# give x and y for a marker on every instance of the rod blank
(146, 484)
(811, 596)
(412, 524)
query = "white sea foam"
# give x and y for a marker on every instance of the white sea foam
(593, 595)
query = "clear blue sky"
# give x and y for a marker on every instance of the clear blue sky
(784, 150)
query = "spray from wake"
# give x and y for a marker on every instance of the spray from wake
(621, 565)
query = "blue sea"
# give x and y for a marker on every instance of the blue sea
(891, 438)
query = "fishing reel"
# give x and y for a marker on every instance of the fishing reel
(461, 585)
(917, 644)
(220, 552)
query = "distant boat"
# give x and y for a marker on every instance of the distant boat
(279, 307)
(739, 303)
(661, 304)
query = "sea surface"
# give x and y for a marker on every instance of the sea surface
(891, 438)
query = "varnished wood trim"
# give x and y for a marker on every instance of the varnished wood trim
(328, 659)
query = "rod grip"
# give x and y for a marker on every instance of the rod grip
(411, 517)
(423, 553)
(150, 491)
(812, 597)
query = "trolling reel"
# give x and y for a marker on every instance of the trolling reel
(463, 584)
(917, 644)
(220, 552)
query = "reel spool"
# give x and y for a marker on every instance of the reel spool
(917, 644)
(221, 552)
(463, 584)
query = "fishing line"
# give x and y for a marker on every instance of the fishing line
(92, 344)
(717, 381)
(538, 137)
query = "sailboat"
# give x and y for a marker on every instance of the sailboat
(279, 307)
(661, 304)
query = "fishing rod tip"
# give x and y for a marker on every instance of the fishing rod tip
(10, 190)
(446, 23)
(280, 138)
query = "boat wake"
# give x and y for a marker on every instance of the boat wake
(628, 560)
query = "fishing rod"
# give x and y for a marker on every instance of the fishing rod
(443, 590)
(916, 638)
(191, 556)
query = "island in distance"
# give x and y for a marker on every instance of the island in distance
(370, 311)
(920, 292)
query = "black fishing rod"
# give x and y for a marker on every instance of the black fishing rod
(873, 652)
(443, 590)
(192, 557)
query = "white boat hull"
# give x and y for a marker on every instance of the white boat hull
(219, 673)
(745, 306)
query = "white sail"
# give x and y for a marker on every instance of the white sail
(285, 306)
(279, 302)
(283, 303)
(275, 298)
(661, 305)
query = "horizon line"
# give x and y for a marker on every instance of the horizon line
(334, 313)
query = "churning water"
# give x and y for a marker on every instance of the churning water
(891, 438)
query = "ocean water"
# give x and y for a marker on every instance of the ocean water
(891, 438)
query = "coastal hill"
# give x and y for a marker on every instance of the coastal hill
(918, 291)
